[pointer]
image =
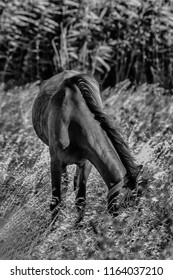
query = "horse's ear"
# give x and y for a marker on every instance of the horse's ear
(64, 135)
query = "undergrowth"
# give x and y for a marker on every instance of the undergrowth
(141, 231)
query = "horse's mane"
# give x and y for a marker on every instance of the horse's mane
(88, 91)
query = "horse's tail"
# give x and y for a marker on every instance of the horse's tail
(86, 85)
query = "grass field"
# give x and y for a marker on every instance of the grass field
(141, 231)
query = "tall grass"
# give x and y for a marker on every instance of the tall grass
(141, 231)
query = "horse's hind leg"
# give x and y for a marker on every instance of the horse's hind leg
(83, 171)
(56, 172)
(76, 178)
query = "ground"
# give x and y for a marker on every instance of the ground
(143, 230)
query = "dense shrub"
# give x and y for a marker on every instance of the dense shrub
(112, 39)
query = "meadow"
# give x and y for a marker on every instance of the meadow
(142, 230)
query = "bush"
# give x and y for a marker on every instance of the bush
(112, 40)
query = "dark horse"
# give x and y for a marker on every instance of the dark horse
(68, 116)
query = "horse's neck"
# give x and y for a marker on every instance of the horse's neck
(99, 149)
(93, 140)
(105, 157)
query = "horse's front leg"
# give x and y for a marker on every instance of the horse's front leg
(82, 173)
(56, 172)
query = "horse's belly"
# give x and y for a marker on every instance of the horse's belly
(71, 155)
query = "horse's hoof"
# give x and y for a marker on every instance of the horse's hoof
(113, 211)
(54, 212)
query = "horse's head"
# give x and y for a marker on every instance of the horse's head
(116, 192)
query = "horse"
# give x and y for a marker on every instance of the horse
(68, 117)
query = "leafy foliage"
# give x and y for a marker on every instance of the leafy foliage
(111, 39)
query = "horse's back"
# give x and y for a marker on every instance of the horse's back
(54, 84)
